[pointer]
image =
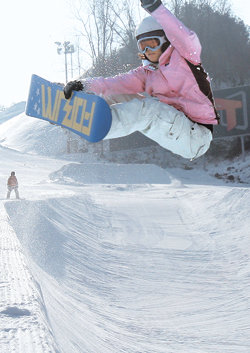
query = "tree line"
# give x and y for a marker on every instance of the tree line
(108, 27)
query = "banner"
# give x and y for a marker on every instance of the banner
(233, 105)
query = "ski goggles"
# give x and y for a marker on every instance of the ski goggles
(151, 43)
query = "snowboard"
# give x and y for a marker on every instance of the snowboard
(84, 114)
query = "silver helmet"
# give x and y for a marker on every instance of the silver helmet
(149, 27)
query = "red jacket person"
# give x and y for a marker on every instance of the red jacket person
(12, 184)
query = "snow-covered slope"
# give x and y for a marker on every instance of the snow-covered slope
(105, 257)
(27, 134)
(12, 111)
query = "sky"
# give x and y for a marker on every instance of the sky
(29, 30)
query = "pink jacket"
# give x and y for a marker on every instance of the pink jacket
(173, 82)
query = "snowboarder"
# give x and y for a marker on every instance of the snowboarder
(168, 98)
(12, 184)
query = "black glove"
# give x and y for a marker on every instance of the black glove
(150, 5)
(72, 86)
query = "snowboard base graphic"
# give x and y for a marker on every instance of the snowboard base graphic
(85, 114)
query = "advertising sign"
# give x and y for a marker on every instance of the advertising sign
(233, 105)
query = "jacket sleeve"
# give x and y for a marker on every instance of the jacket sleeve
(131, 82)
(181, 38)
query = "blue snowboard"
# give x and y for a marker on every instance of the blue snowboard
(85, 114)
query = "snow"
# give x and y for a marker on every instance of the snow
(105, 256)
(12, 111)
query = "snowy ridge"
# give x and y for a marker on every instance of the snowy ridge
(12, 111)
(87, 173)
(21, 132)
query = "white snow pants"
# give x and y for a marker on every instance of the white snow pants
(161, 122)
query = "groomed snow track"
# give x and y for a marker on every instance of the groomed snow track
(130, 268)
(24, 326)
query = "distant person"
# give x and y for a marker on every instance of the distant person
(12, 184)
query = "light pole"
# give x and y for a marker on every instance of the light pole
(66, 48)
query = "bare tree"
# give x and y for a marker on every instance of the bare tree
(125, 24)
(97, 23)
(105, 26)
(223, 7)
(175, 6)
